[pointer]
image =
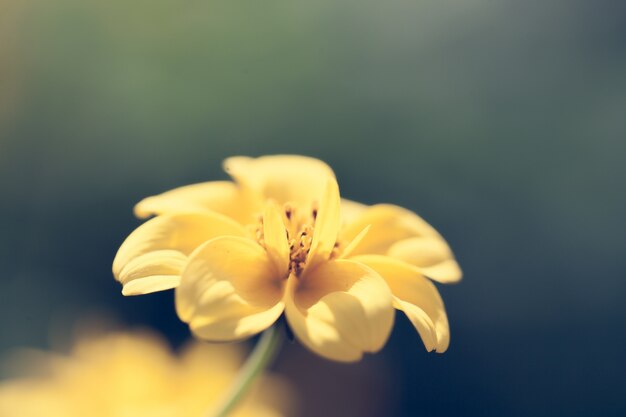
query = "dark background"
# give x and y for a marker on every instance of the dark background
(503, 123)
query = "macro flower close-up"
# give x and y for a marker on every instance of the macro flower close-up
(322, 208)
(279, 240)
(126, 374)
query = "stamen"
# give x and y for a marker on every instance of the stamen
(259, 232)
(336, 251)
(299, 233)
(314, 208)
(299, 249)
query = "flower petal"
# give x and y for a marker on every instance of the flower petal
(153, 271)
(326, 226)
(229, 290)
(347, 251)
(389, 224)
(275, 238)
(224, 197)
(340, 310)
(350, 211)
(416, 296)
(152, 257)
(283, 178)
(402, 234)
(432, 255)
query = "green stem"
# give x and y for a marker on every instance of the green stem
(265, 350)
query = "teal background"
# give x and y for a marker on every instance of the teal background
(500, 122)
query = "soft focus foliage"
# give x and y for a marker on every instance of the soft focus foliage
(280, 240)
(126, 375)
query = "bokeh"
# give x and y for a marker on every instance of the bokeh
(503, 123)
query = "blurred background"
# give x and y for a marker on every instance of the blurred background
(503, 123)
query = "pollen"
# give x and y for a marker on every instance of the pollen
(299, 228)
(299, 248)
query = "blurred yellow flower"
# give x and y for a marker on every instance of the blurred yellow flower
(133, 375)
(280, 240)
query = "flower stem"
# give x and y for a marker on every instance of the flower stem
(260, 358)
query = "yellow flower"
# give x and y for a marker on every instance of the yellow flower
(125, 374)
(280, 240)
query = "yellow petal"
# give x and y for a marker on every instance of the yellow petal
(432, 255)
(229, 290)
(389, 224)
(283, 178)
(402, 234)
(340, 310)
(151, 258)
(350, 211)
(221, 196)
(416, 296)
(275, 238)
(349, 249)
(153, 271)
(326, 226)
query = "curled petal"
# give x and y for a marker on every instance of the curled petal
(152, 272)
(275, 238)
(224, 197)
(152, 257)
(340, 310)
(432, 255)
(229, 290)
(416, 296)
(326, 226)
(402, 234)
(283, 178)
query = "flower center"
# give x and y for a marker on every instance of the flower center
(299, 227)
(299, 248)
